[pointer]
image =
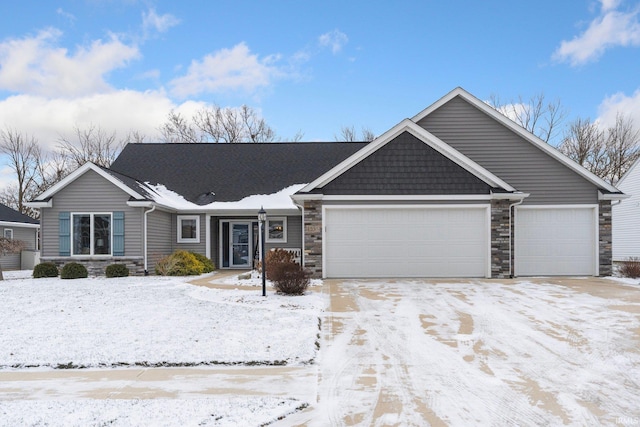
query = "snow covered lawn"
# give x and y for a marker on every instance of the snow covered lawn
(150, 321)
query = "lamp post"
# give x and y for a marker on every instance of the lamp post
(262, 220)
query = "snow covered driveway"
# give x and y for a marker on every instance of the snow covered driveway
(480, 353)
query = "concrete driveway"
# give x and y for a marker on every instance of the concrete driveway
(481, 352)
(416, 352)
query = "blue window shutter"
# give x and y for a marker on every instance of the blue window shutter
(64, 233)
(118, 234)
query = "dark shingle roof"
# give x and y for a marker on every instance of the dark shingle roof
(12, 215)
(231, 171)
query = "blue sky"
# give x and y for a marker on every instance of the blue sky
(306, 66)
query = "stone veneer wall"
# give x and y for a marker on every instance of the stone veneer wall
(97, 266)
(500, 254)
(605, 246)
(313, 237)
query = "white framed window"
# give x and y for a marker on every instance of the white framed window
(8, 233)
(277, 230)
(91, 234)
(188, 228)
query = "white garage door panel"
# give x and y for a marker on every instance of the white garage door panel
(555, 241)
(406, 242)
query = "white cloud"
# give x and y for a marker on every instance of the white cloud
(227, 69)
(37, 66)
(335, 39)
(611, 28)
(619, 102)
(121, 111)
(151, 21)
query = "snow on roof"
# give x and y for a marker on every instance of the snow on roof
(280, 200)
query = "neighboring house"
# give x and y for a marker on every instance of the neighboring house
(459, 190)
(626, 217)
(18, 226)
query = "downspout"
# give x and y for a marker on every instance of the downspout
(302, 243)
(511, 206)
(146, 267)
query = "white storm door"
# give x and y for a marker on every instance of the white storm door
(240, 247)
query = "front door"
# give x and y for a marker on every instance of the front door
(240, 247)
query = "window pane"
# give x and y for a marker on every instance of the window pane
(276, 230)
(81, 234)
(188, 228)
(102, 234)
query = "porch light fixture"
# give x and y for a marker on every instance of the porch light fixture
(262, 220)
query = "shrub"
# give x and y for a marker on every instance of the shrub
(73, 270)
(45, 269)
(116, 270)
(179, 263)
(209, 266)
(291, 279)
(275, 258)
(630, 268)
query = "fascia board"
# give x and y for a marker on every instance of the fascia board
(40, 204)
(422, 134)
(612, 196)
(18, 224)
(81, 171)
(548, 149)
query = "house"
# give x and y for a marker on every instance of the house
(626, 215)
(18, 226)
(458, 190)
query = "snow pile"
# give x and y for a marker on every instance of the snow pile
(150, 321)
(275, 201)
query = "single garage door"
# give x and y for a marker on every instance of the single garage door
(555, 241)
(406, 242)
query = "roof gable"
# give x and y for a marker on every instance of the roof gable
(406, 165)
(105, 173)
(519, 130)
(422, 135)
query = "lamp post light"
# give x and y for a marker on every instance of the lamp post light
(262, 220)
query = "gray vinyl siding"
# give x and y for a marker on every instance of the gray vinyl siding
(159, 243)
(191, 247)
(507, 155)
(91, 193)
(11, 261)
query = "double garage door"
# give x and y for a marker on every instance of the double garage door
(406, 242)
(454, 241)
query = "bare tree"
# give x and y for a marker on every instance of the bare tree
(218, 124)
(24, 157)
(536, 115)
(92, 144)
(9, 246)
(179, 129)
(349, 134)
(608, 152)
(623, 147)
